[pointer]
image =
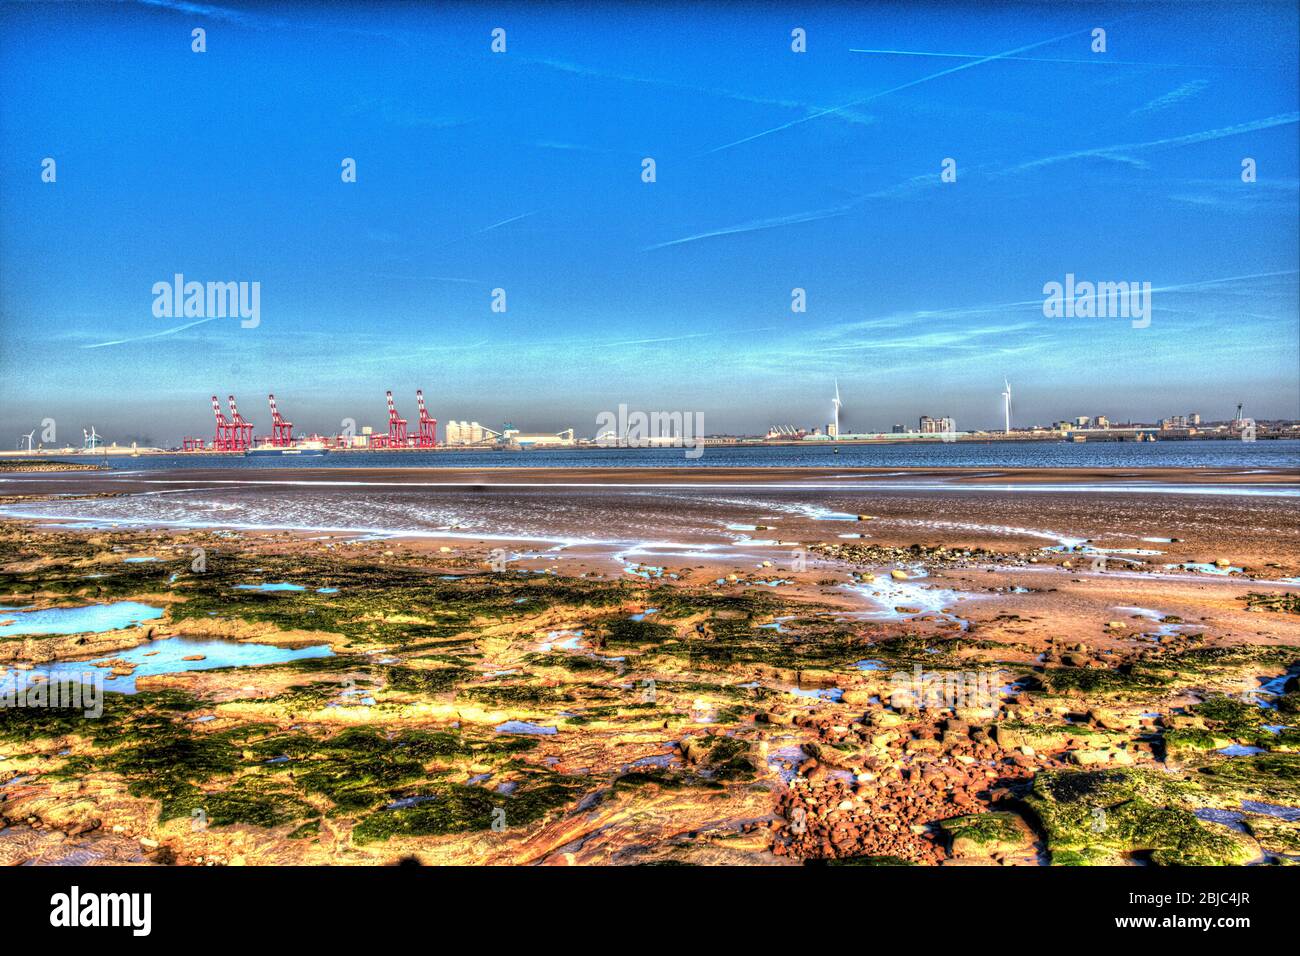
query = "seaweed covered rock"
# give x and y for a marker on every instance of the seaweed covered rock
(1103, 816)
(986, 834)
(1274, 777)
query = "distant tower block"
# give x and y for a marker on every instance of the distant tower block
(428, 436)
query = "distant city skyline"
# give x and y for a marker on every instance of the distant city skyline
(781, 179)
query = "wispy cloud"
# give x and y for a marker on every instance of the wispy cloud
(395, 112)
(756, 225)
(1172, 98)
(259, 20)
(896, 89)
(489, 228)
(1095, 60)
(847, 115)
(1118, 152)
(456, 279)
(458, 239)
(211, 11)
(1236, 195)
(151, 335)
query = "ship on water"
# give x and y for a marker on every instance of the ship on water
(308, 448)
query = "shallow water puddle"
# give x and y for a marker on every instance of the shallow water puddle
(90, 619)
(1241, 750)
(904, 600)
(561, 640)
(1291, 814)
(1204, 567)
(832, 694)
(524, 727)
(1163, 629)
(166, 656)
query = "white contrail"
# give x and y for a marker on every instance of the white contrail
(1099, 60)
(971, 311)
(908, 85)
(1282, 119)
(457, 279)
(479, 232)
(504, 222)
(151, 335)
(758, 224)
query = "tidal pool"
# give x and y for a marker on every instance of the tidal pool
(166, 656)
(92, 618)
(523, 727)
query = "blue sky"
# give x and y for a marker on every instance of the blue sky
(522, 171)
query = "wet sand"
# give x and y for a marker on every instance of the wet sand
(94, 483)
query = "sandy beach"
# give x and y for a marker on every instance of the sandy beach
(679, 665)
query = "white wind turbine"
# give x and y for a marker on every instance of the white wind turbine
(27, 438)
(836, 403)
(1006, 404)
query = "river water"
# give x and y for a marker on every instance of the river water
(1005, 454)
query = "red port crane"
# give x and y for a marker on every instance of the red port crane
(281, 430)
(241, 431)
(224, 440)
(396, 426)
(428, 437)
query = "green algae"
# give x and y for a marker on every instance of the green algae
(411, 680)
(362, 767)
(571, 662)
(1102, 680)
(1091, 814)
(652, 777)
(994, 829)
(1270, 776)
(249, 800)
(625, 631)
(588, 715)
(1184, 739)
(1088, 856)
(305, 832)
(457, 808)
(1236, 718)
(728, 758)
(520, 694)
(1229, 719)
(1016, 733)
